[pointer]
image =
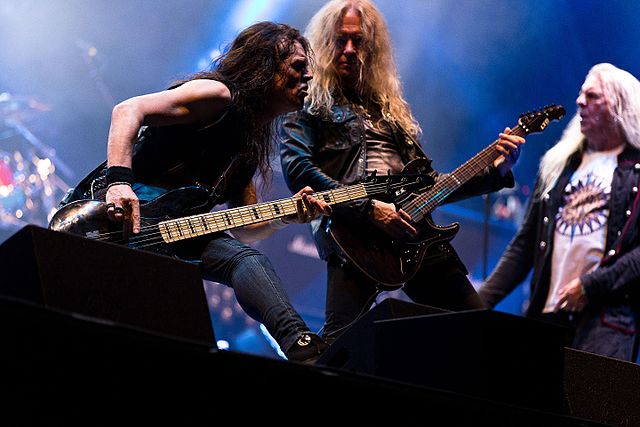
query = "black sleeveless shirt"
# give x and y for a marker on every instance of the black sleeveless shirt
(183, 155)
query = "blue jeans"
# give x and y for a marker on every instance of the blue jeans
(257, 287)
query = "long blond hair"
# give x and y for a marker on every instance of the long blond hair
(378, 81)
(622, 93)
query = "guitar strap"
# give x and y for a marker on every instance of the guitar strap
(85, 188)
(94, 181)
(218, 187)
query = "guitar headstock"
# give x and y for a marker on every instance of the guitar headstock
(537, 121)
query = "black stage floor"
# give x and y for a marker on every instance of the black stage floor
(85, 343)
(65, 369)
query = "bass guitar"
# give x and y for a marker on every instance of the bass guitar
(391, 262)
(163, 225)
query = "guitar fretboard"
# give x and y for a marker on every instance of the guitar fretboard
(199, 225)
(429, 200)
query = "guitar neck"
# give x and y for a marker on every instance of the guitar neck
(428, 201)
(198, 225)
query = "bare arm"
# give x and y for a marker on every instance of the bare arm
(195, 102)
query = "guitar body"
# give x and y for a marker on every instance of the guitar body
(387, 261)
(89, 218)
(390, 262)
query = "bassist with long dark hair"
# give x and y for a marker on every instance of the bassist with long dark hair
(201, 143)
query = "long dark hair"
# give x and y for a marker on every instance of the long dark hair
(249, 67)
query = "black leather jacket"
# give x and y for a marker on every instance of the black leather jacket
(613, 283)
(326, 153)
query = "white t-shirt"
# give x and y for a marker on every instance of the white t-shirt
(580, 224)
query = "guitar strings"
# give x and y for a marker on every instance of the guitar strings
(418, 207)
(150, 235)
(157, 236)
(424, 203)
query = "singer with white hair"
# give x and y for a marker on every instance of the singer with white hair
(581, 231)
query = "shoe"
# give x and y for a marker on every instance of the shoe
(307, 349)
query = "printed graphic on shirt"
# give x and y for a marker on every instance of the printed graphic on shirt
(585, 206)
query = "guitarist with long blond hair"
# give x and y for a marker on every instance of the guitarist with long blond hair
(355, 122)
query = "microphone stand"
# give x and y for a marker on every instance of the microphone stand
(485, 240)
(91, 59)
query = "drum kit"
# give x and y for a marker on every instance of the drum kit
(30, 183)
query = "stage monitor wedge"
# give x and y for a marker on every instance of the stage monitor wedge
(106, 281)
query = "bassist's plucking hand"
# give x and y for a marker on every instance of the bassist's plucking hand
(123, 204)
(396, 223)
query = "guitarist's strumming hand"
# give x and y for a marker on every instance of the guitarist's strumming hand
(395, 223)
(123, 204)
(509, 146)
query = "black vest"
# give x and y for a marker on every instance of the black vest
(183, 155)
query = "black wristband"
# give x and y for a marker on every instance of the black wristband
(119, 174)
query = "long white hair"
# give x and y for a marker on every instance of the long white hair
(622, 93)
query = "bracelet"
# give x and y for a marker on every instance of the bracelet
(278, 224)
(119, 174)
(118, 183)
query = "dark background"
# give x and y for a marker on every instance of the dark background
(469, 68)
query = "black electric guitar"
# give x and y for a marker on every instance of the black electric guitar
(164, 226)
(392, 262)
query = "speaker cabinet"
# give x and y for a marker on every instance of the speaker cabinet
(481, 353)
(353, 349)
(106, 281)
(601, 388)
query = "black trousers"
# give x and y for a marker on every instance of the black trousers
(608, 330)
(439, 282)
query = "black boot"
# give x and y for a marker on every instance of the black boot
(307, 349)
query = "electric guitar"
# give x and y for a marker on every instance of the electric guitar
(392, 262)
(163, 226)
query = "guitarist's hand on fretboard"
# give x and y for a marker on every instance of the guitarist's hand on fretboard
(509, 146)
(396, 224)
